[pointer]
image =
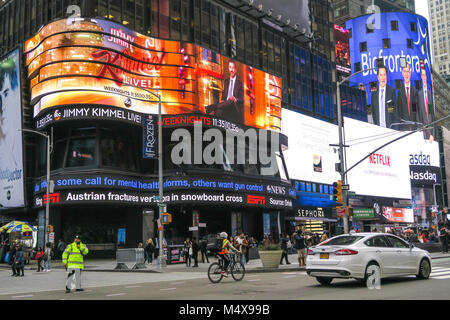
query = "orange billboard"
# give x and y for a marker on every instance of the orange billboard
(99, 62)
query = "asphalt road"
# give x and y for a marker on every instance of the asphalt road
(294, 285)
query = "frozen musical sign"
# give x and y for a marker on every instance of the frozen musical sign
(99, 62)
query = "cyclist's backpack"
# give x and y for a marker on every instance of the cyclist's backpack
(218, 246)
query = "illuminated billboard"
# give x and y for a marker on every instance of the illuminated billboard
(342, 48)
(399, 98)
(102, 63)
(11, 161)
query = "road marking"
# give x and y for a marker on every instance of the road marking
(252, 276)
(167, 289)
(287, 277)
(442, 277)
(115, 294)
(439, 268)
(24, 296)
(440, 272)
(129, 287)
(254, 280)
(177, 282)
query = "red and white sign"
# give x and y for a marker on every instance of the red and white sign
(398, 214)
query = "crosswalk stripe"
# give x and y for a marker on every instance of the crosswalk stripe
(440, 268)
(442, 277)
(440, 273)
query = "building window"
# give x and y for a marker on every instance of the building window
(363, 46)
(409, 43)
(413, 27)
(81, 152)
(369, 28)
(386, 43)
(394, 25)
(357, 66)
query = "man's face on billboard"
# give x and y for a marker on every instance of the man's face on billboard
(406, 72)
(5, 103)
(232, 69)
(382, 77)
(423, 75)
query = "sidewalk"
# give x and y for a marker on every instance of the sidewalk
(253, 266)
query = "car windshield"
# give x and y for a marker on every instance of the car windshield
(341, 241)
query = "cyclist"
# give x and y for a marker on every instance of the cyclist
(225, 245)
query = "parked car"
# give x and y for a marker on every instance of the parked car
(350, 255)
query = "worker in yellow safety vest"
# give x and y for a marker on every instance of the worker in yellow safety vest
(72, 259)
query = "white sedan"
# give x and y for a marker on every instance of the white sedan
(361, 254)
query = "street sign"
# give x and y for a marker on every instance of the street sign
(162, 204)
(51, 237)
(345, 187)
(351, 194)
(202, 225)
(157, 198)
(193, 228)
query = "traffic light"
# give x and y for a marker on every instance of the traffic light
(166, 218)
(337, 191)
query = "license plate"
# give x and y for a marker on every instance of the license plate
(324, 255)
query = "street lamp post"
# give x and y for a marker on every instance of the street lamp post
(342, 169)
(161, 208)
(47, 203)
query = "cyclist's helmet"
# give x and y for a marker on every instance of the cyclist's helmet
(223, 235)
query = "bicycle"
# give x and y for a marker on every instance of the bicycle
(236, 269)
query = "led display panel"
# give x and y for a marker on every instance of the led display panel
(99, 62)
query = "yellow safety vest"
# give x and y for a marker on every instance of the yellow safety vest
(73, 256)
(224, 248)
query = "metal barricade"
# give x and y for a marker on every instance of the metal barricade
(133, 257)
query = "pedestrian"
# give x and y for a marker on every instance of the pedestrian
(19, 262)
(195, 249)
(323, 237)
(187, 251)
(140, 245)
(73, 262)
(40, 258)
(47, 257)
(241, 244)
(284, 241)
(60, 248)
(300, 245)
(149, 249)
(444, 236)
(247, 251)
(203, 250)
(11, 257)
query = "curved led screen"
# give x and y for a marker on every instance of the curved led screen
(407, 102)
(99, 62)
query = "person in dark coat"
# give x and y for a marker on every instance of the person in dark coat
(203, 250)
(284, 241)
(19, 262)
(384, 102)
(195, 248)
(12, 256)
(444, 239)
(149, 249)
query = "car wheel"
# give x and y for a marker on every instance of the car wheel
(372, 268)
(324, 280)
(424, 269)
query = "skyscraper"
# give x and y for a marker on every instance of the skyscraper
(440, 26)
(347, 9)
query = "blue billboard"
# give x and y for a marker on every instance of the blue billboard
(398, 97)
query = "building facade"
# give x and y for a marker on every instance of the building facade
(440, 25)
(102, 183)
